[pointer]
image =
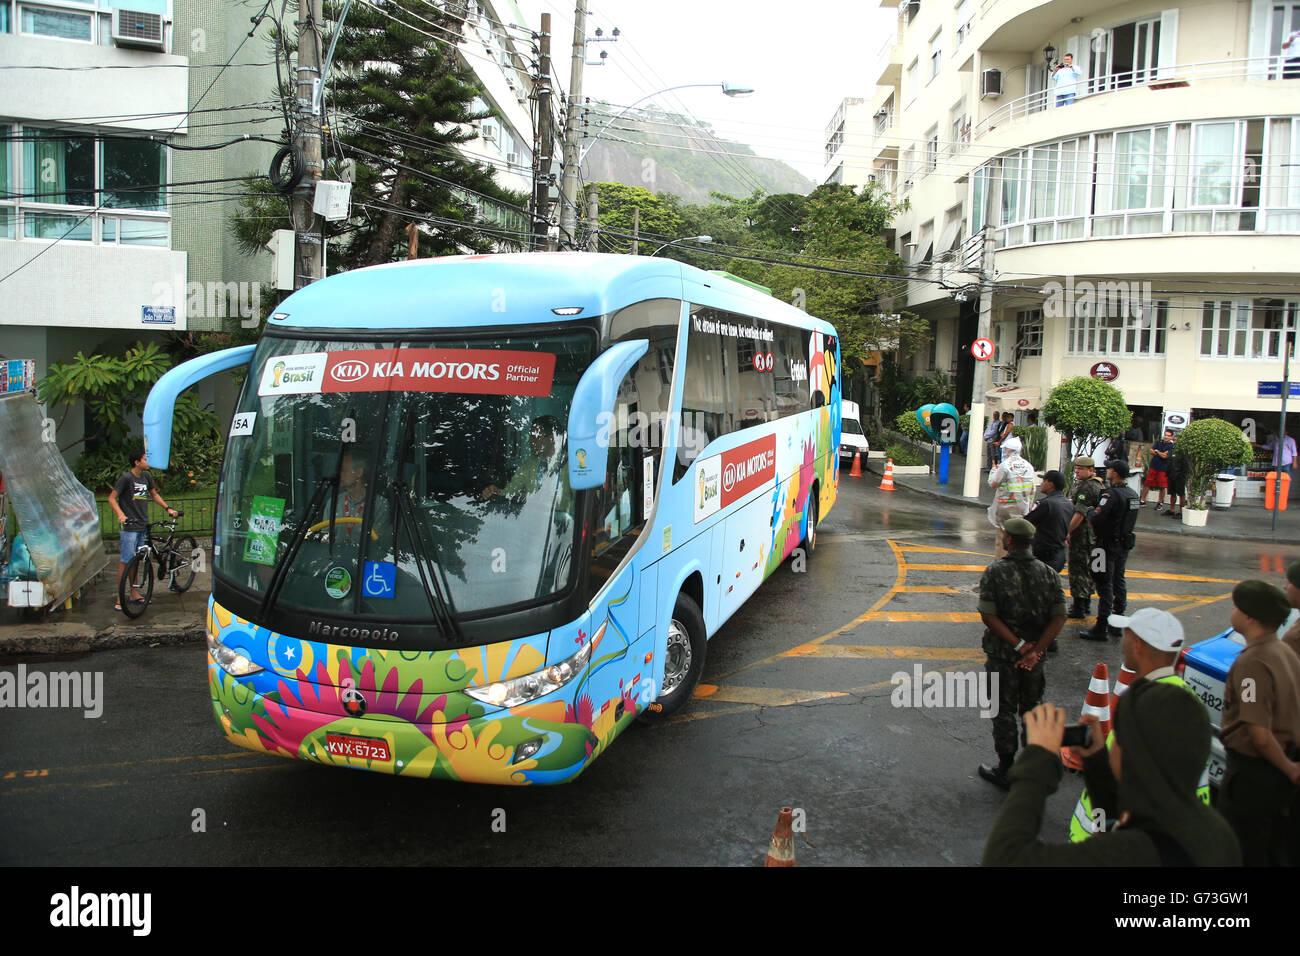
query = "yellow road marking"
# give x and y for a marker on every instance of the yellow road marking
(947, 567)
(927, 617)
(770, 696)
(929, 589)
(878, 652)
(935, 549)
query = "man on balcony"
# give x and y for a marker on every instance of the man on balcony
(1065, 80)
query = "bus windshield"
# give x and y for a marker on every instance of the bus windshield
(403, 480)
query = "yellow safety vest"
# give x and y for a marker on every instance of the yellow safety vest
(1081, 824)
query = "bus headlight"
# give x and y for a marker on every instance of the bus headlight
(520, 690)
(231, 661)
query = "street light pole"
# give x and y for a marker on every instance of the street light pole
(673, 242)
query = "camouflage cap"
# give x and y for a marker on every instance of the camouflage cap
(1083, 461)
(1293, 573)
(1262, 601)
(1018, 527)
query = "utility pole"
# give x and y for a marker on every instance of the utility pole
(636, 229)
(544, 153)
(980, 380)
(309, 228)
(573, 130)
(593, 218)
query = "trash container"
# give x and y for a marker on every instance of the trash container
(1224, 486)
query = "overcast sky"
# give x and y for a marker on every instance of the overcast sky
(800, 58)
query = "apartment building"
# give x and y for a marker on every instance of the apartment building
(1144, 216)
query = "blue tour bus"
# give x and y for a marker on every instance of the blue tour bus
(477, 513)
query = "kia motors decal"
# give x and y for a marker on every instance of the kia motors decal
(463, 371)
(728, 477)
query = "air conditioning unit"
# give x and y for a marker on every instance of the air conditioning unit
(139, 29)
(512, 158)
(991, 84)
(489, 132)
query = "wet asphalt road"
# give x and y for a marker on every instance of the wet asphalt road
(794, 710)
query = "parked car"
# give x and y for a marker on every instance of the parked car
(1204, 666)
(852, 437)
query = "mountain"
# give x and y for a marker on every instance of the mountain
(677, 154)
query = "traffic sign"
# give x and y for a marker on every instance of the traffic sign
(982, 349)
(1274, 390)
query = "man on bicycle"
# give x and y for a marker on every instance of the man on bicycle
(127, 499)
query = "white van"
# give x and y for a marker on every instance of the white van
(852, 437)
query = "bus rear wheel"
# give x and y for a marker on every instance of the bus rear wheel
(683, 659)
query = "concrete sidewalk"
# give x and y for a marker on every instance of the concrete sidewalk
(1245, 520)
(92, 624)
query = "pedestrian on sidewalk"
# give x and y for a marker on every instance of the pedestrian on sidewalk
(1051, 515)
(1177, 482)
(1012, 482)
(129, 501)
(1261, 730)
(1112, 525)
(1084, 497)
(1162, 741)
(992, 437)
(1158, 473)
(1023, 609)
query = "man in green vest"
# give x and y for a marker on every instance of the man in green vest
(1152, 640)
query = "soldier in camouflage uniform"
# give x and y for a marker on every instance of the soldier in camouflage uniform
(1023, 608)
(1085, 495)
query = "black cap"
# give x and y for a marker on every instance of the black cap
(1262, 601)
(1119, 466)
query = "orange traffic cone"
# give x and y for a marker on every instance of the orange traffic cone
(857, 465)
(780, 851)
(1126, 675)
(1097, 703)
(888, 483)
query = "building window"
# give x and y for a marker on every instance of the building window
(1029, 332)
(965, 14)
(64, 24)
(1139, 168)
(936, 53)
(1247, 328)
(931, 149)
(911, 82)
(834, 143)
(1116, 324)
(1215, 164)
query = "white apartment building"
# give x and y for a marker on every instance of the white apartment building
(1148, 228)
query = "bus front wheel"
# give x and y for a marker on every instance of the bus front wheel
(683, 659)
(810, 536)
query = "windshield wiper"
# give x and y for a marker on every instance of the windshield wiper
(433, 593)
(280, 571)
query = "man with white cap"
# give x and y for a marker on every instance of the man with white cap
(1012, 482)
(1152, 640)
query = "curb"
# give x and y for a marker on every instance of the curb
(1238, 536)
(81, 638)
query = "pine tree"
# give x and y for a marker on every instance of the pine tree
(401, 103)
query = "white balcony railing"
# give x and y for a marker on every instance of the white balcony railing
(1261, 68)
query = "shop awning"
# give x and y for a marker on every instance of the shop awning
(1012, 398)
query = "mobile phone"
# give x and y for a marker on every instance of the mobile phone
(1076, 735)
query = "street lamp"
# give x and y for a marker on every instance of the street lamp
(683, 239)
(729, 89)
(1049, 54)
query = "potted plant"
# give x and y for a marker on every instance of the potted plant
(1209, 445)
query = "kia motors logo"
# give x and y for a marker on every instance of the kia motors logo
(349, 371)
(729, 476)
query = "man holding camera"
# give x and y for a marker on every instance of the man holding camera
(1152, 640)
(1023, 608)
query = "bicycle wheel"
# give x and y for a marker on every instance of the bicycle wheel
(138, 576)
(181, 559)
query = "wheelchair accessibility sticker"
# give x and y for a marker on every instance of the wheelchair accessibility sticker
(380, 579)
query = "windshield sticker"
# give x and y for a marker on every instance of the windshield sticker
(728, 477)
(263, 530)
(292, 375)
(708, 485)
(380, 579)
(338, 582)
(462, 371)
(242, 424)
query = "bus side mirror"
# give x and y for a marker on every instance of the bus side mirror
(161, 404)
(593, 406)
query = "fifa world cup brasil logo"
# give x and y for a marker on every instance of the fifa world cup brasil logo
(278, 370)
(582, 458)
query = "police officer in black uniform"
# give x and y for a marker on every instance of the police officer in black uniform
(1051, 515)
(1112, 523)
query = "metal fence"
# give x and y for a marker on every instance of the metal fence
(197, 518)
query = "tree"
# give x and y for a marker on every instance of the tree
(405, 104)
(1087, 411)
(1207, 445)
(658, 217)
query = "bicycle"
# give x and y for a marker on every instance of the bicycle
(175, 558)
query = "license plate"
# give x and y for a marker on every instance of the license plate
(363, 748)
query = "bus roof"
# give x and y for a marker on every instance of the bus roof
(514, 289)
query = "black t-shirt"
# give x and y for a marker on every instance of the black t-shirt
(133, 499)
(1158, 463)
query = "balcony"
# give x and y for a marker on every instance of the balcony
(1215, 73)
